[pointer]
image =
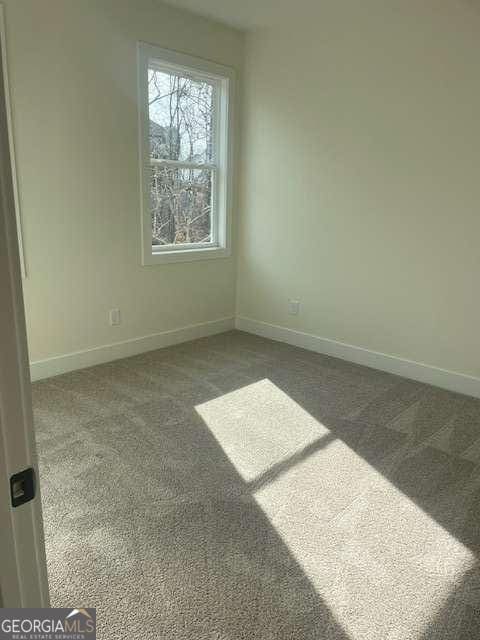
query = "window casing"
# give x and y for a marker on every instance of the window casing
(185, 156)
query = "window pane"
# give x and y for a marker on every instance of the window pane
(181, 117)
(180, 202)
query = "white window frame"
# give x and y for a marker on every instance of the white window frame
(223, 78)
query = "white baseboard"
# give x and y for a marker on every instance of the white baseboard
(451, 380)
(97, 355)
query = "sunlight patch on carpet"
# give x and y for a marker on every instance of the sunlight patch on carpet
(377, 559)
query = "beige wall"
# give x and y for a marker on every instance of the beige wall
(361, 178)
(360, 175)
(72, 67)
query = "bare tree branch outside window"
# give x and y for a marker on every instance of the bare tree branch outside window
(181, 127)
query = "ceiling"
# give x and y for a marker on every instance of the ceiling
(244, 14)
(252, 14)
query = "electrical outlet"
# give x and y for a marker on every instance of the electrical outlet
(294, 307)
(114, 317)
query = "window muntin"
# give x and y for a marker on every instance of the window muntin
(185, 172)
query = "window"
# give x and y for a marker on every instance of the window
(185, 150)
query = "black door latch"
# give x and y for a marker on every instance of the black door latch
(22, 487)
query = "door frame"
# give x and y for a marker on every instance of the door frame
(23, 569)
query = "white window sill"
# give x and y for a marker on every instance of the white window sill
(185, 255)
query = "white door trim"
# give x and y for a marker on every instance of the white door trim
(23, 574)
(13, 164)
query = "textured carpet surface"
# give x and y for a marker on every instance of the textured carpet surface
(237, 488)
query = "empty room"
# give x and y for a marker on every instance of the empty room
(239, 345)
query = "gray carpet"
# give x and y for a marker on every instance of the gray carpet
(238, 488)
